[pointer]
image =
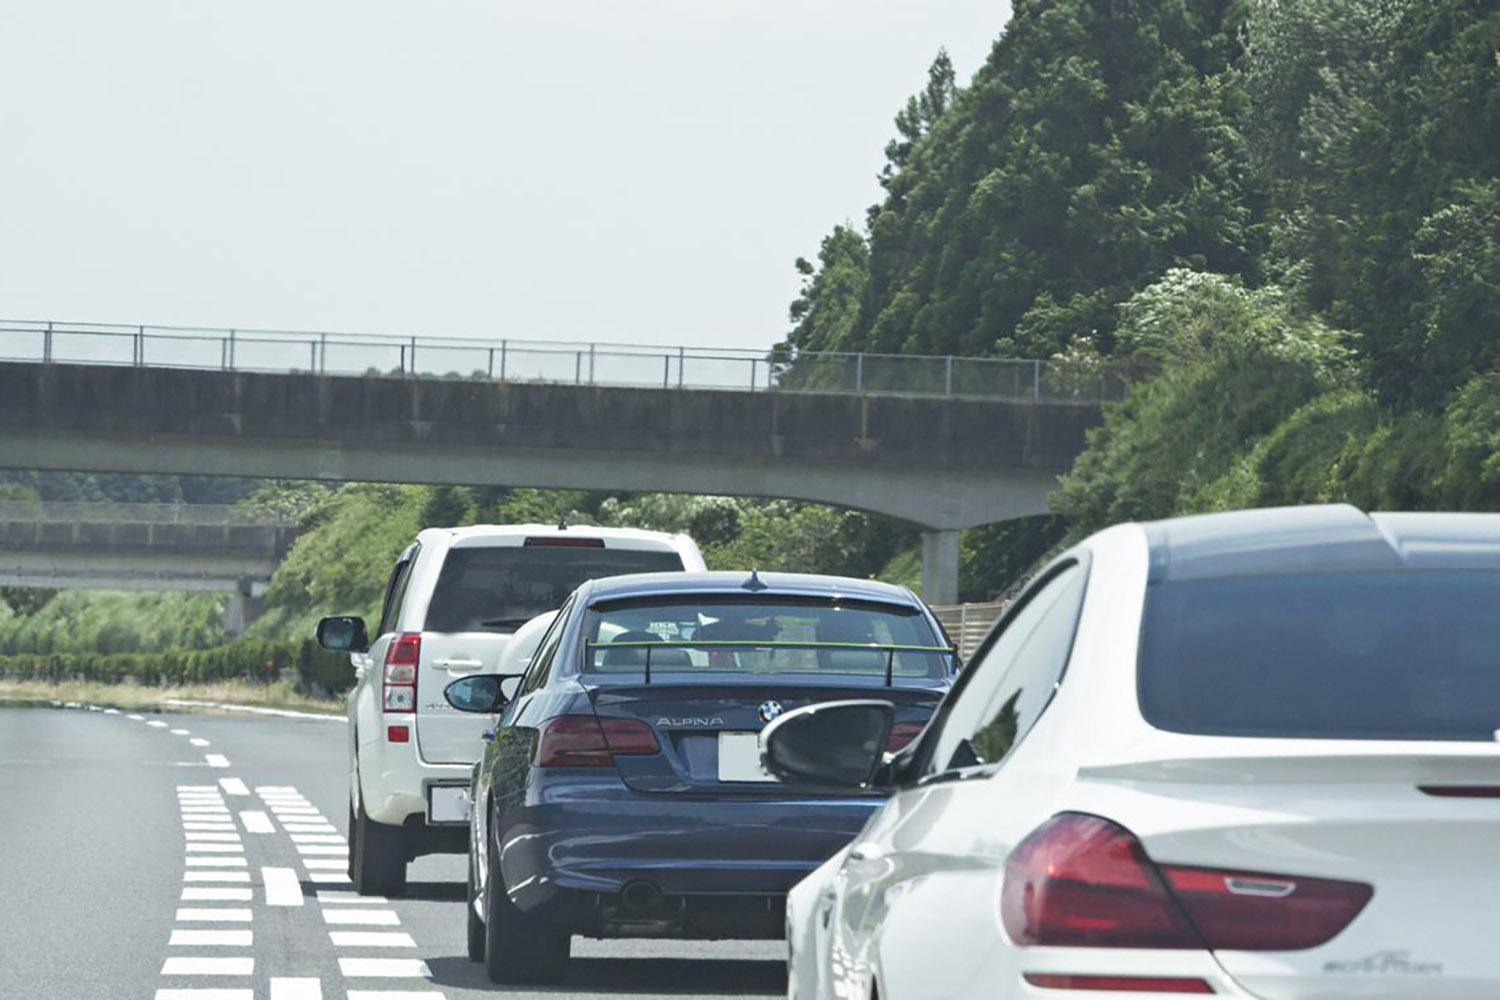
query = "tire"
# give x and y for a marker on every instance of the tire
(377, 857)
(475, 925)
(519, 949)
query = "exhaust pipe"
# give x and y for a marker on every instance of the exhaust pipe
(640, 896)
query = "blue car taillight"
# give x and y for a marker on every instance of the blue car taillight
(587, 741)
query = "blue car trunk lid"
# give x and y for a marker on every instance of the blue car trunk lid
(691, 720)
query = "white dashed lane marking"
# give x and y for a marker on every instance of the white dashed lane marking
(179, 732)
(192, 835)
(211, 861)
(368, 918)
(157, 724)
(233, 786)
(327, 864)
(282, 887)
(199, 741)
(197, 876)
(208, 967)
(283, 988)
(384, 968)
(216, 760)
(349, 898)
(257, 822)
(191, 938)
(371, 939)
(395, 995)
(227, 915)
(216, 894)
(194, 846)
(317, 838)
(209, 995)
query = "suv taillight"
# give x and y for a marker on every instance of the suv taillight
(1084, 882)
(400, 678)
(902, 733)
(587, 741)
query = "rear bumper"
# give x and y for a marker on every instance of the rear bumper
(606, 861)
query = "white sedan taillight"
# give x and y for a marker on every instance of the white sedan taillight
(1081, 881)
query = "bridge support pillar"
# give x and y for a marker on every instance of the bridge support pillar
(940, 566)
(240, 613)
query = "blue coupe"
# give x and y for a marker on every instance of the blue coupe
(621, 793)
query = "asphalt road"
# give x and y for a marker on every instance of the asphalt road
(132, 866)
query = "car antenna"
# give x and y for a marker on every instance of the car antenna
(754, 583)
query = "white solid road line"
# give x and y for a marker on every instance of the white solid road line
(181, 966)
(284, 988)
(371, 939)
(201, 894)
(198, 848)
(367, 918)
(206, 995)
(327, 864)
(197, 876)
(395, 995)
(317, 838)
(200, 835)
(233, 786)
(386, 968)
(309, 828)
(183, 936)
(227, 915)
(219, 861)
(257, 822)
(216, 760)
(283, 888)
(209, 825)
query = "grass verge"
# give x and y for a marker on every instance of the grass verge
(280, 694)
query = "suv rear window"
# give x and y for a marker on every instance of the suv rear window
(763, 636)
(1400, 656)
(500, 588)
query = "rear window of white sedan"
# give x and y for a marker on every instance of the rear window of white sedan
(1399, 656)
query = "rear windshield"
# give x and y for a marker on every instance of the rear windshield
(763, 637)
(1400, 656)
(500, 588)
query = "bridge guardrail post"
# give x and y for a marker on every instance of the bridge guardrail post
(47, 345)
(490, 370)
(666, 371)
(591, 364)
(322, 353)
(681, 364)
(503, 345)
(1036, 381)
(948, 375)
(231, 350)
(752, 374)
(413, 355)
(859, 372)
(138, 351)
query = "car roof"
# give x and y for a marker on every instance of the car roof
(1332, 538)
(735, 583)
(551, 530)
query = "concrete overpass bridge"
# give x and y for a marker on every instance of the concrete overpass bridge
(943, 443)
(138, 546)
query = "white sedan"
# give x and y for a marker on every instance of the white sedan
(1252, 755)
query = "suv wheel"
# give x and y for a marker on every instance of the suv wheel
(519, 949)
(377, 856)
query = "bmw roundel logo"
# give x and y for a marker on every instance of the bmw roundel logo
(769, 710)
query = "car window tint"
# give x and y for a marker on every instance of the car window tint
(1014, 677)
(395, 593)
(546, 651)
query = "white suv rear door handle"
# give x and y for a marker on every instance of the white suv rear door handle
(458, 664)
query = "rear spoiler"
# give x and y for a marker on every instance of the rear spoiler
(889, 649)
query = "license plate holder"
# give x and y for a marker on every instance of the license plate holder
(739, 758)
(447, 804)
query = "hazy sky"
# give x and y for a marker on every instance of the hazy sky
(620, 170)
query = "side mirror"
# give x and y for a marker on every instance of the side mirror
(343, 634)
(836, 745)
(479, 693)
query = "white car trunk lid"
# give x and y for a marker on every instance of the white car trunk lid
(1420, 826)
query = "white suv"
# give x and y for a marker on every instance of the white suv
(455, 598)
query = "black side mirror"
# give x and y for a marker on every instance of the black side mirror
(837, 745)
(479, 693)
(343, 634)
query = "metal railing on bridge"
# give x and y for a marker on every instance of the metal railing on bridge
(596, 364)
(103, 512)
